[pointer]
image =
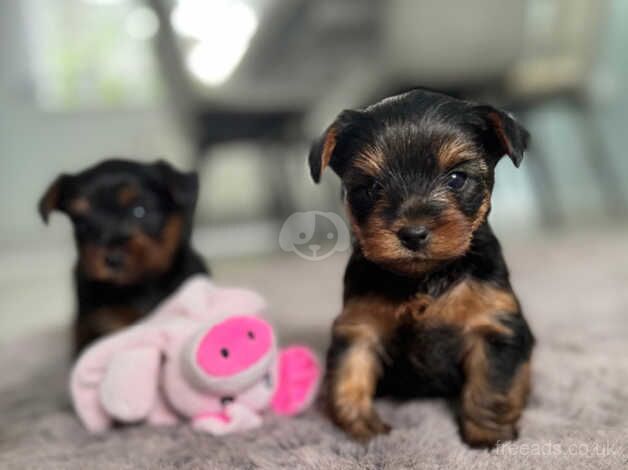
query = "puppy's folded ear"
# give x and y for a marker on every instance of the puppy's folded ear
(504, 133)
(325, 150)
(181, 186)
(54, 197)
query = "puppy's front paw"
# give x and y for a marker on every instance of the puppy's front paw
(357, 418)
(487, 436)
(365, 427)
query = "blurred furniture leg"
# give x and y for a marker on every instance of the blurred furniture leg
(207, 122)
(562, 42)
(599, 158)
(541, 179)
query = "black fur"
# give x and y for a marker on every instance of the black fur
(507, 353)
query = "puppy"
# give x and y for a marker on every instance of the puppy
(428, 306)
(132, 225)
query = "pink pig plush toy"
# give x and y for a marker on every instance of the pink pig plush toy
(206, 355)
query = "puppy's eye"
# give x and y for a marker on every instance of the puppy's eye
(366, 192)
(139, 212)
(456, 180)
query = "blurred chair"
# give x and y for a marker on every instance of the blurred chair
(283, 73)
(463, 48)
(234, 114)
(450, 45)
(562, 41)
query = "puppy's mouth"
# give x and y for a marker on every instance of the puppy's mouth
(388, 251)
(111, 265)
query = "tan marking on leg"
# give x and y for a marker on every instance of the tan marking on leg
(365, 323)
(490, 416)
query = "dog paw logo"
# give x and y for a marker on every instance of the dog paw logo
(314, 235)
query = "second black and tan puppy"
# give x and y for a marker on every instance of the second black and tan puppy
(428, 305)
(132, 226)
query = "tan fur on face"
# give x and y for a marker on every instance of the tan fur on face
(452, 231)
(380, 244)
(451, 235)
(370, 161)
(143, 255)
(92, 261)
(155, 256)
(126, 195)
(454, 151)
(79, 206)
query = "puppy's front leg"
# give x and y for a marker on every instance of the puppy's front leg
(497, 385)
(354, 366)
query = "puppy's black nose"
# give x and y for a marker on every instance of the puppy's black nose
(114, 259)
(414, 237)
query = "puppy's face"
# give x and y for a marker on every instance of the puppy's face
(129, 218)
(418, 173)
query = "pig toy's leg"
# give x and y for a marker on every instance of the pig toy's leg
(299, 376)
(162, 414)
(86, 397)
(234, 418)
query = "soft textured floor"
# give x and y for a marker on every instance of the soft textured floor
(574, 292)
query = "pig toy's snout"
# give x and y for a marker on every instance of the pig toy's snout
(233, 346)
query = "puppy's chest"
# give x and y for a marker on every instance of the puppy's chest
(424, 351)
(424, 358)
(430, 330)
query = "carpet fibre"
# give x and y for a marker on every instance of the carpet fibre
(574, 292)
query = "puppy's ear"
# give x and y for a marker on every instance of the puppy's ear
(54, 197)
(181, 186)
(324, 150)
(505, 134)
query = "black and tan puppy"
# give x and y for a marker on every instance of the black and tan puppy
(428, 305)
(132, 225)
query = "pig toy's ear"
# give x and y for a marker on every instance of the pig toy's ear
(228, 301)
(200, 300)
(190, 300)
(299, 377)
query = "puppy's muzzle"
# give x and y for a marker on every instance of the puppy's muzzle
(414, 237)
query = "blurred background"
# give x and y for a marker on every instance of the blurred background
(238, 88)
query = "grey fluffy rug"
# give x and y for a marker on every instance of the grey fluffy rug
(575, 294)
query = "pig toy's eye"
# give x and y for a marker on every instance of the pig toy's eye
(224, 352)
(251, 335)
